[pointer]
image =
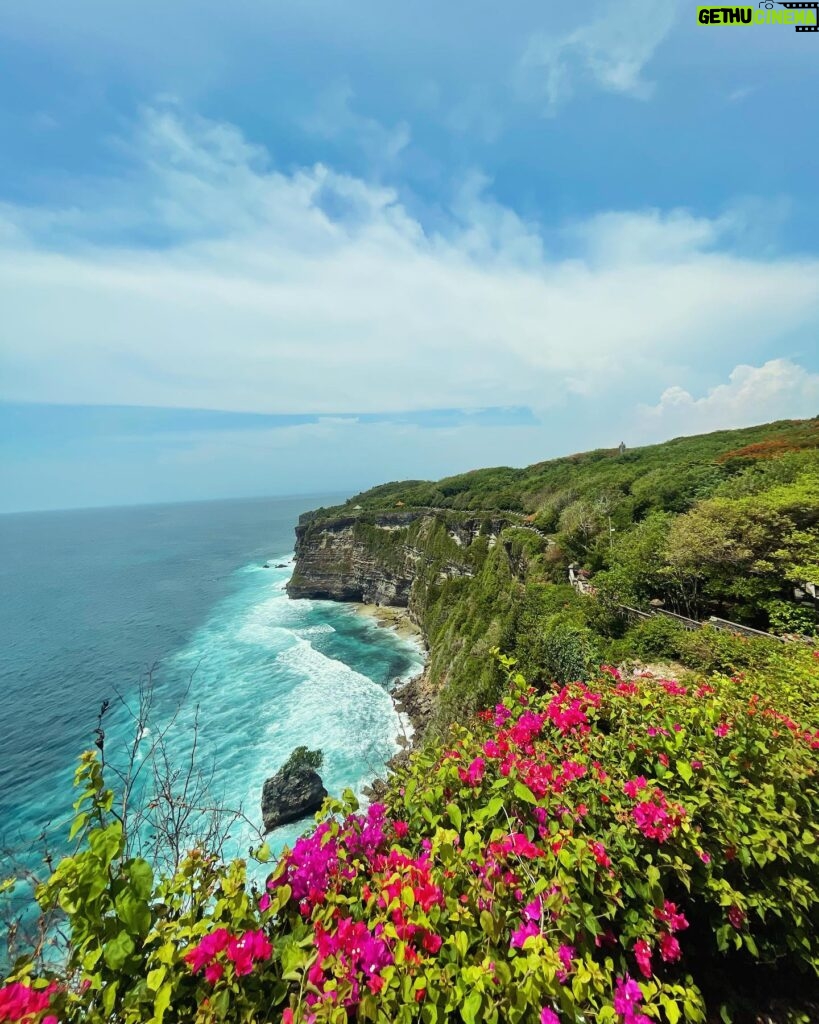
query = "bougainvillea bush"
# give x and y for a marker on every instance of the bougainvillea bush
(598, 852)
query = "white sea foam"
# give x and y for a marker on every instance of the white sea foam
(323, 627)
(263, 688)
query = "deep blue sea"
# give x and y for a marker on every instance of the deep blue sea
(90, 599)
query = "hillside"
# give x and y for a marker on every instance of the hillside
(580, 837)
(722, 524)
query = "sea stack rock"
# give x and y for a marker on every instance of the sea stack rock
(294, 792)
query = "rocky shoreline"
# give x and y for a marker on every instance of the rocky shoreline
(398, 619)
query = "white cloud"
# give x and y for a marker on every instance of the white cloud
(252, 289)
(611, 51)
(333, 117)
(779, 389)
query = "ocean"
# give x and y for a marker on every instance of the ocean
(91, 601)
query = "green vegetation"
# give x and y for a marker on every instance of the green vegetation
(619, 851)
(302, 759)
(610, 845)
(726, 525)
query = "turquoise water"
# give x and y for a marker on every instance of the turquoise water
(90, 599)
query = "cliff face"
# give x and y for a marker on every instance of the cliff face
(335, 561)
(378, 558)
(461, 575)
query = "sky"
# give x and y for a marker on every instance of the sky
(275, 248)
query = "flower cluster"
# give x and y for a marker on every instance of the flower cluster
(656, 818)
(243, 951)
(23, 1005)
(628, 1002)
(350, 952)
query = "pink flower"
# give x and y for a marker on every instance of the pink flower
(533, 911)
(516, 844)
(264, 903)
(473, 775)
(600, 855)
(213, 972)
(656, 818)
(208, 947)
(19, 1002)
(671, 916)
(628, 1000)
(526, 931)
(548, 1016)
(736, 917)
(705, 857)
(669, 947)
(642, 954)
(722, 730)
(566, 955)
(287, 1016)
(633, 786)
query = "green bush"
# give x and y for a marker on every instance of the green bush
(302, 758)
(568, 648)
(657, 638)
(614, 851)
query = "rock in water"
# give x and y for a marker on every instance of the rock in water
(290, 794)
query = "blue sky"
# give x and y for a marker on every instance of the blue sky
(275, 248)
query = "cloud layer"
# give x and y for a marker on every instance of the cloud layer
(780, 389)
(252, 289)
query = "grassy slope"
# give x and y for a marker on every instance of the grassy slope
(515, 600)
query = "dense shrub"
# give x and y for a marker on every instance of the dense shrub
(590, 854)
(302, 758)
(568, 649)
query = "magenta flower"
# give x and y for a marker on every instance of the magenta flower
(473, 775)
(671, 916)
(736, 917)
(669, 947)
(548, 1016)
(566, 954)
(526, 931)
(633, 786)
(19, 1002)
(628, 1001)
(642, 954)
(207, 949)
(533, 911)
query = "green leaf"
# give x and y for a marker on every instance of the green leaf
(156, 977)
(117, 950)
(162, 1002)
(141, 877)
(488, 923)
(471, 1007)
(454, 813)
(672, 1010)
(684, 770)
(523, 792)
(133, 912)
(79, 823)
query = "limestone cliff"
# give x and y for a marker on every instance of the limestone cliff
(379, 558)
(459, 574)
